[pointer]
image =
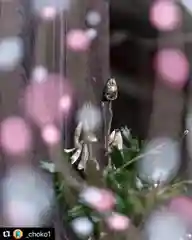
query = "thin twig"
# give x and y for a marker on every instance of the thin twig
(107, 118)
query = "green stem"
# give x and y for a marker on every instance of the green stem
(153, 151)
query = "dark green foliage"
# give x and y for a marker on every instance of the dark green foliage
(120, 176)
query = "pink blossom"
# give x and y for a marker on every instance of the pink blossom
(107, 201)
(43, 102)
(99, 199)
(117, 222)
(183, 206)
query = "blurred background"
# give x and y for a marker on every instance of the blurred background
(134, 41)
(153, 100)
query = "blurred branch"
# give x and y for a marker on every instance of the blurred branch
(129, 86)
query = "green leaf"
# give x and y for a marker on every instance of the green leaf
(132, 206)
(111, 182)
(79, 211)
(170, 193)
(122, 206)
(129, 155)
(117, 157)
(135, 145)
(125, 178)
(97, 231)
(75, 214)
(137, 202)
(67, 156)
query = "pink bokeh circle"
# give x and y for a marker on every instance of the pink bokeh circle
(78, 40)
(43, 100)
(15, 135)
(50, 134)
(183, 206)
(165, 15)
(65, 103)
(48, 13)
(172, 66)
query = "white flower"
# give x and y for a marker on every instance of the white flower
(116, 140)
(139, 183)
(90, 117)
(82, 226)
(126, 132)
(90, 195)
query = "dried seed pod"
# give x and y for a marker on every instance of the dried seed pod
(77, 135)
(90, 137)
(110, 90)
(84, 157)
(76, 155)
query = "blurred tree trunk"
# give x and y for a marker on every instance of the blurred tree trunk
(89, 71)
(168, 102)
(12, 24)
(187, 150)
